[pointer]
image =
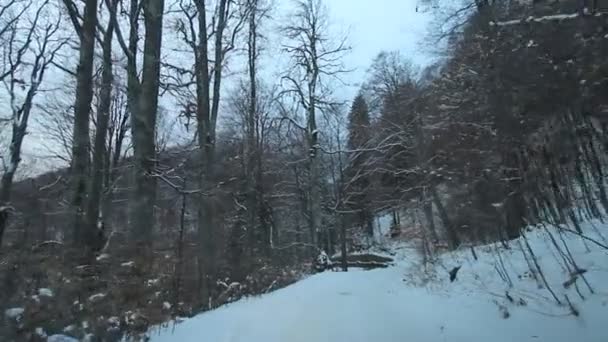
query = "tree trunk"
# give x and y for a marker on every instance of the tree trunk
(180, 247)
(368, 221)
(5, 194)
(143, 123)
(453, 239)
(112, 160)
(94, 237)
(206, 226)
(428, 213)
(82, 108)
(314, 199)
(253, 211)
(207, 111)
(343, 245)
(19, 130)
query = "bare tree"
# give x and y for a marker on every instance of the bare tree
(210, 43)
(28, 51)
(251, 151)
(85, 27)
(142, 100)
(95, 235)
(315, 60)
(10, 15)
(254, 129)
(389, 73)
(55, 122)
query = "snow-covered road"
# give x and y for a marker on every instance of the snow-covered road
(385, 305)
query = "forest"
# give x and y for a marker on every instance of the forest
(198, 151)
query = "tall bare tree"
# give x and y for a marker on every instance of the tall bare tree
(252, 57)
(142, 100)
(257, 11)
(85, 26)
(210, 43)
(29, 49)
(315, 59)
(388, 74)
(101, 132)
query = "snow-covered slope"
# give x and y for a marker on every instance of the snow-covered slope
(403, 303)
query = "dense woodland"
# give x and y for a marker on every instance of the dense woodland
(506, 130)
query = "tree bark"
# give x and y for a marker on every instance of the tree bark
(143, 125)
(453, 239)
(428, 213)
(343, 245)
(251, 149)
(93, 236)
(82, 108)
(206, 113)
(21, 114)
(314, 199)
(18, 133)
(312, 58)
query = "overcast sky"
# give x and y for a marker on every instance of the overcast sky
(371, 27)
(375, 26)
(379, 25)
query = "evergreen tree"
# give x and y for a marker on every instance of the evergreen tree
(358, 179)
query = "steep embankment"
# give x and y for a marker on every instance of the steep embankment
(410, 302)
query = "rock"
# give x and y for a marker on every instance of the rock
(453, 273)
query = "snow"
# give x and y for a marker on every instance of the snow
(555, 17)
(44, 292)
(402, 303)
(382, 226)
(152, 282)
(61, 338)
(102, 257)
(97, 297)
(40, 332)
(14, 313)
(69, 328)
(114, 321)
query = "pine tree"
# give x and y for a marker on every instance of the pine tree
(358, 124)
(358, 178)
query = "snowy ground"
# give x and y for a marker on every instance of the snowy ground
(403, 303)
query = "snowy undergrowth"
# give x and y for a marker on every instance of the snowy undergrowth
(404, 303)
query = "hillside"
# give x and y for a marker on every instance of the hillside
(406, 303)
(218, 151)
